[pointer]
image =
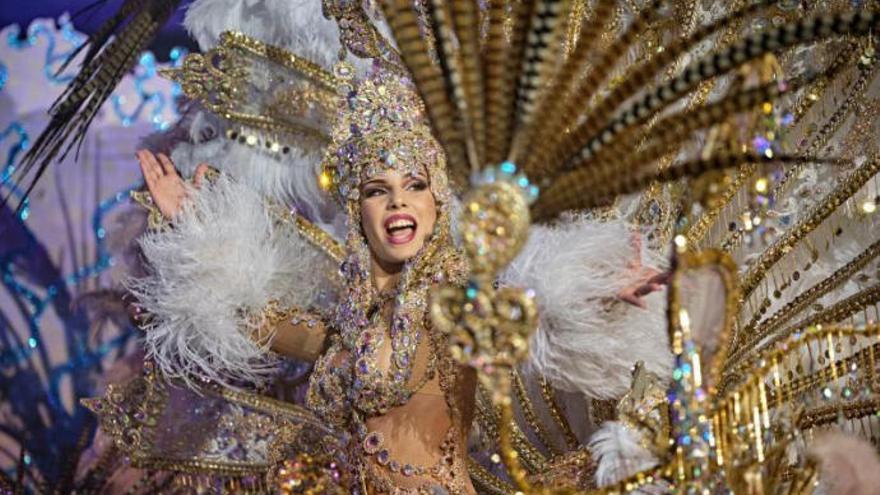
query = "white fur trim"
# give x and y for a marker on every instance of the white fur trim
(849, 465)
(581, 345)
(618, 454)
(212, 273)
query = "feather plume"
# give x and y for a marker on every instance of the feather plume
(849, 466)
(211, 276)
(296, 25)
(619, 454)
(113, 52)
(586, 341)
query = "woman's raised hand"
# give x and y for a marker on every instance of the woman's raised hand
(649, 280)
(646, 279)
(164, 183)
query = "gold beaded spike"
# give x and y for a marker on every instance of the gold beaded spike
(580, 118)
(500, 60)
(430, 83)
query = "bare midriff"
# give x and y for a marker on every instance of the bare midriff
(417, 432)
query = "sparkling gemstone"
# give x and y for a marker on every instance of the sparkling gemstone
(363, 366)
(373, 442)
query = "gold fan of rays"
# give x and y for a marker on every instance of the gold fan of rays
(549, 89)
(540, 117)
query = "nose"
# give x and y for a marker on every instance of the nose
(397, 200)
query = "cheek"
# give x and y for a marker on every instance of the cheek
(429, 213)
(369, 217)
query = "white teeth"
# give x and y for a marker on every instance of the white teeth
(397, 224)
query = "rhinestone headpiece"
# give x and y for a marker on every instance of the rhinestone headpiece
(380, 125)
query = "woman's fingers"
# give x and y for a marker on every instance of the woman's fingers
(201, 170)
(167, 165)
(632, 298)
(661, 278)
(634, 294)
(647, 288)
(149, 159)
(635, 242)
(149, 168)
(145, 170)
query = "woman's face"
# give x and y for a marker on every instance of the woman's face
(398, 213)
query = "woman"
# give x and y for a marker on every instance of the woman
(382, 374)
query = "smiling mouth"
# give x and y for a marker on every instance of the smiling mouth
(400, 229)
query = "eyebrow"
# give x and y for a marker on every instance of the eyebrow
(383, 181)
(377, 180)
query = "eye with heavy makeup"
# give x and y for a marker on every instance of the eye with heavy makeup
(398, 212)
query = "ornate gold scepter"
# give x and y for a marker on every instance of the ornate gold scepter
(490, 327)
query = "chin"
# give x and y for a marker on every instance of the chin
(401, 254)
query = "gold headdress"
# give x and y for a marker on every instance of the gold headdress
(380, 125)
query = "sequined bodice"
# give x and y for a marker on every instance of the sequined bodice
(420, 437)
(366, 374)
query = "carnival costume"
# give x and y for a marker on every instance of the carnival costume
(539, 107)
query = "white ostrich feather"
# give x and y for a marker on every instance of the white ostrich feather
(586, 341)
(619, 454)
(291, 180)
(297, 25)
(211, 275)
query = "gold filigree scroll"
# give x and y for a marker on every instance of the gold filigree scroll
(723, 436)
(214, 78)
(235, 439)
(229, 80)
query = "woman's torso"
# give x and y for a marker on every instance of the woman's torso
(418, 445)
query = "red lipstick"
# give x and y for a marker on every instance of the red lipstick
(400, 228)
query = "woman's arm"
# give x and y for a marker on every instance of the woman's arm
(300, 342)
(297, 334)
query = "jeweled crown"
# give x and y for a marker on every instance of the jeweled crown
(380, 125)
